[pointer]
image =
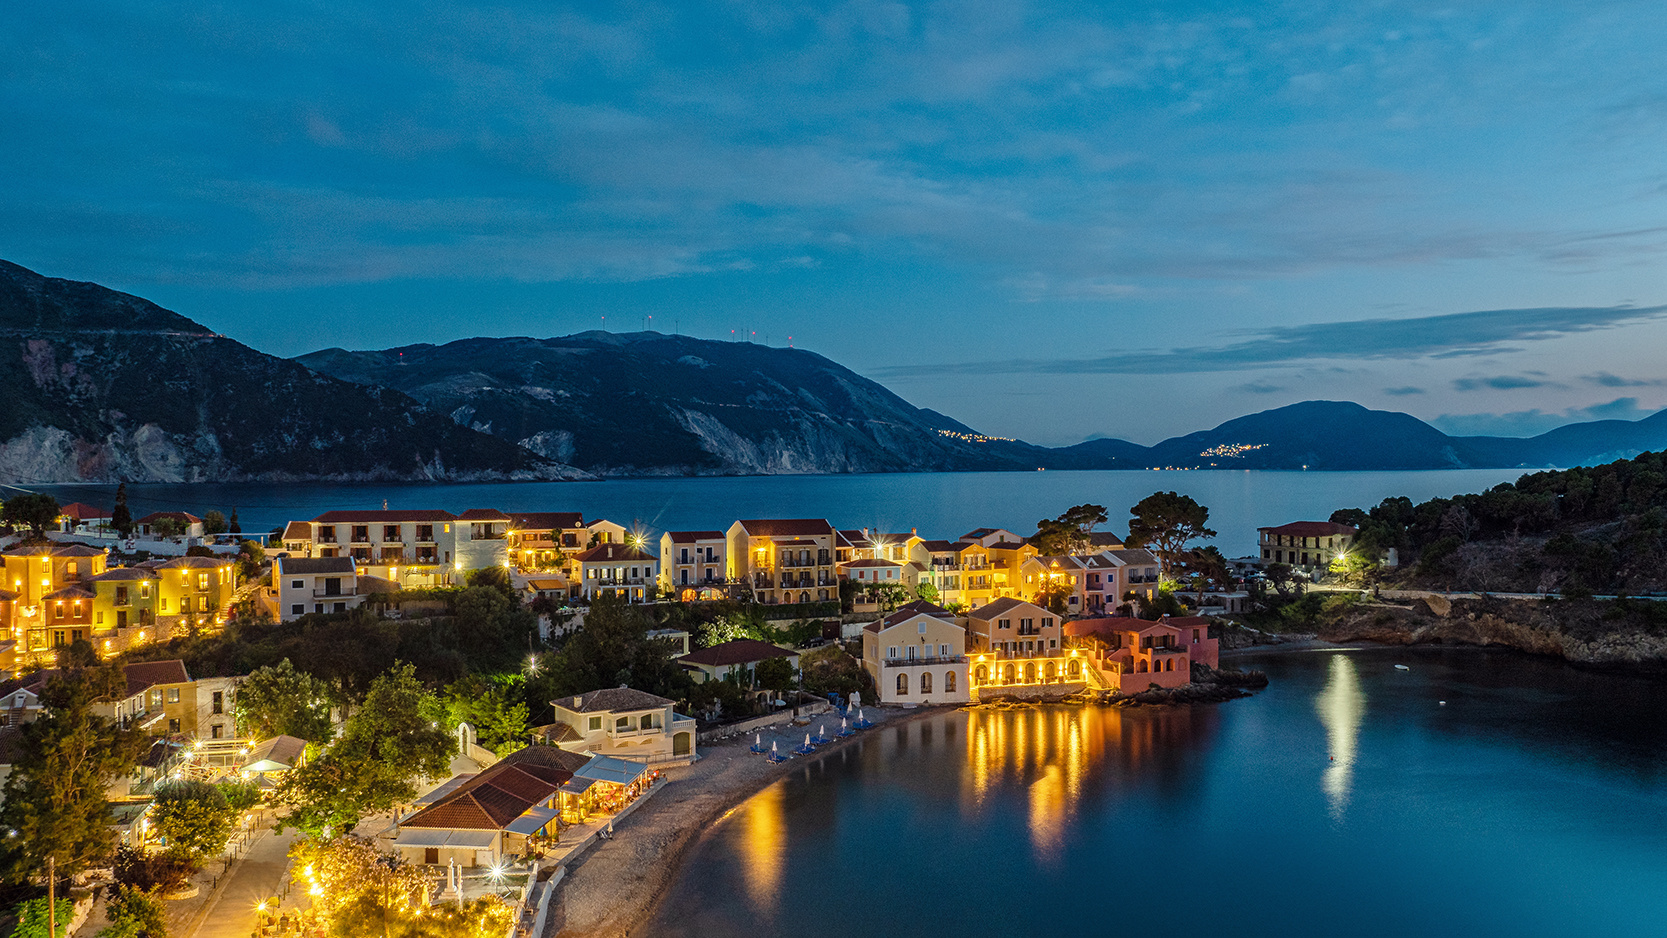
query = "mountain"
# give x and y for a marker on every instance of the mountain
(649, 403)
(102, 386)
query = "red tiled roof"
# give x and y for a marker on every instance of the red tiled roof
(483, 514)
(69, 592)
(81, 511)
(1107, 626)
(1005, 604)
(546, 520)
(195, 563)
(786, 527)
(873, 563)
(689, 537)
(739, 651)
(298, 531)
(120, 574)
(1311, 529)
(146, 674)
(502, 793)
(384, 517)
(609, 699)
(612, 553)
(184, 516)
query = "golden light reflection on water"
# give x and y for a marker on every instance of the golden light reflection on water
(1341, 706)
(764, 846)
(1048, 752)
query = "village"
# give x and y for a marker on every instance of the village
(840, 628)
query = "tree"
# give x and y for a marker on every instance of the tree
(774, 674)
(1054, 593)
(240, 795)
(927, 591)
(360, 892)
(33, 919)
(1070, 532)
(500, 722)
(891, 595)
(232, 527)
(1208, 565)
(612, 649)
(170, 527)
(193, 818)
(1285, 580)
(724, 629)
(121, 518)
(214, 522)
(55, 796)
(1164, 522)
(34, 511)
(140, 869)
(1355, 568)
(280, 701)
(394, 737)
(135, 914)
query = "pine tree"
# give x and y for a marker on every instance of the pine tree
(121, 519)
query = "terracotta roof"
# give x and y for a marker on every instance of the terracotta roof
(69, 592)
(54, 550)
(621, 553)
(1134, 555)
(298, 531)
(1104, 539)
(788, 527)
(944, 547)
(493, 798)
(612, 698)
(81, 511)
(689, 537)
(547, 583)
(306, 565)
(483, 514)
(7, 596)
(1106, 626)
(739, 651)
(195, 563)
(796, 542)
(384, 517)
(77, 550)
(546, 520)
(1007, 545)
(120, 574)
(1311, 529)
(143, 675)
(556, 733)
(873, 563)
(29, 682)
(184, 516)
(1000, 606)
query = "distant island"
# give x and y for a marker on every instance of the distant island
(102, 386)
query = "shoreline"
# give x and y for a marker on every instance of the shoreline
(651, 846)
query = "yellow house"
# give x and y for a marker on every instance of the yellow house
(917, 655)
(195, 591)
(51, 607)
(785, 561)
(125, 601)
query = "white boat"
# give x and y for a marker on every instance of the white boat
(1402, 667)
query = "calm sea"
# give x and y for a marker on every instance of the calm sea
(1346, 799)
(940, 505)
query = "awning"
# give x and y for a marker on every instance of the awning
(609, 769)
(441, 837)
(532, 821)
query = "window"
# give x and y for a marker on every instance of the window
(595, 724)
(891, 651)
(361, 533)
(622, 725)
(926, 682)
(431, 856)
(949, 682)
(326, 532)
(144, 590)
(164, 604)
(1004, 623)
(219, 704)
(69, 568)
(647, 722)
(902, 685)
(943, 651)
(173, 726)
(390, 532)
(99, 619)
(425, 532)
(297, 609)
(202, 581)
(923, 628)
(173, 696)
(214, 731)
(297, 584)
(1047, 623)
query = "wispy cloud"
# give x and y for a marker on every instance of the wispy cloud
(1604, 379)
(1403, 391)
(1453, 335)
(1260, 387)
(1502, 383)
(1533, 422)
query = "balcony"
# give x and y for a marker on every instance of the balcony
(933, 661)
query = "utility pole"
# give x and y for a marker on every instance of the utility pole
(52, 897)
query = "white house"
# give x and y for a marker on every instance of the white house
(322, 584)
(625, 724)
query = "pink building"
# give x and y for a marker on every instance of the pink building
(1133, 654)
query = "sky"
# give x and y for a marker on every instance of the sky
(1048, 221)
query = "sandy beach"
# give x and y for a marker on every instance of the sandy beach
(617, 886)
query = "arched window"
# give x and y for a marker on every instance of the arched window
(949, 682)
(1030, 672)
(981, 676)
(1052, 670)
(902, 685)
(926, 682)
(1007, 673)
(1075, 667)
(1140, 667)
(1169, 664)
(804, 597)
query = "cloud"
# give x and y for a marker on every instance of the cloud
(1452, 335)
(1604, 379)
(1501, 383)
(1536, 421)
(1403, 392)
(1260, 387)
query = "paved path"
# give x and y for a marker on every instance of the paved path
(256, 877)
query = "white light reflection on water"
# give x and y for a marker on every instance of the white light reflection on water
(1341, 706)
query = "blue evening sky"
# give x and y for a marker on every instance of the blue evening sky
(1048, 221)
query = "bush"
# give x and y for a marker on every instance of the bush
(193, 817)
(32, 918)
(135, 914)
(149, 872)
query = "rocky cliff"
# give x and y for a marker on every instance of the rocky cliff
(97, 385)
(1630, 635)
(657, 404)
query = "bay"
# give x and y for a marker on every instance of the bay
(939, 505)
(1346, 799)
